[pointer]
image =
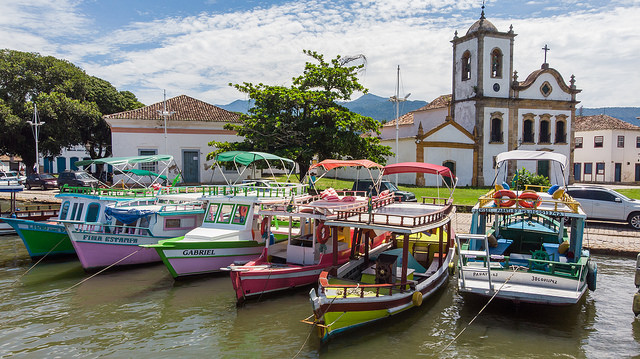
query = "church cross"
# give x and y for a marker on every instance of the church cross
(545, 48)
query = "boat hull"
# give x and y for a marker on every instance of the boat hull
(41, 238)
(100, 254)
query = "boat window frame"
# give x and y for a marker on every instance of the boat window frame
(241, 220)
(92, 204)
(64, 210)
(221, 213)
(211, 216)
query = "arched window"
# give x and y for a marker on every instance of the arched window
(545, 135)
(561, 132)
(527, 131)
(466, 65)
(496, 130)
(496, 63)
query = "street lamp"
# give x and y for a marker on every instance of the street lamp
(164, 113)
(397, 101)
(34, 129)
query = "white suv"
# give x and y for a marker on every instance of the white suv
(607, 204)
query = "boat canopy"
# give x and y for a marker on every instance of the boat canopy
(119, 161)
(127, 216)
(144, 173)
(247, 158)
(417, 167)
(522, 155)
(331, 164)
(127, 166)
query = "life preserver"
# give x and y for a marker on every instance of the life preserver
(529, 199)
(243, 211)
(322, 233)
(416, 298)
(499, 198)
(263, 226)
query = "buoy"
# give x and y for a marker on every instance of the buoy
(529, 200)
(592, 273)
(416, 298)
(452, 268)
(322, 233)
(501, 201)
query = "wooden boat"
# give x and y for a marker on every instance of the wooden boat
(394, 277)
(298, 261)
(532, 252)
(115, 239)
(232, 230)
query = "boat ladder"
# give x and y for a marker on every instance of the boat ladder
(466, 253)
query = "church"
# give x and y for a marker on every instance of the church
(489, 111)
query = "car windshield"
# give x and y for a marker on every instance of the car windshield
(46, 176)
(83, 175)
(391, 187)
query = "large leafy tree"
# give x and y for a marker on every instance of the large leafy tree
(305, 119)
(70, 102)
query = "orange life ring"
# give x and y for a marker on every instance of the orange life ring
(499, 198)
(529, 200)
(243, 211)
(322, 232)
(263, 226)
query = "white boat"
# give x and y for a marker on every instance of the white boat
(532, 252)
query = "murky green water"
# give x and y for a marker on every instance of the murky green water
(143, 313)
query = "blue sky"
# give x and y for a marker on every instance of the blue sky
(198, 47)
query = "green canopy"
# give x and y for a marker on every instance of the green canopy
(246, 158)
(119, 161)
(145, 173)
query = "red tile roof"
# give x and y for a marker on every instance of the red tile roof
(185, 108)
(601, 122)
(407, 119)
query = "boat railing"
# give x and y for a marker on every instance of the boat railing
(260, 192)
(565, 203)
(359, 289)
(35, 208)
(102, 228)
(442, 201)
(316, 205)
(364, 214)
(181, 207)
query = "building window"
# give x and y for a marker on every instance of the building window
(620, 141)
(527, 131)
(598, 141)
(148, 166)
(561, 133)
(545, 135)
(587, 168)
(578, 142)
(546, 89)
(600, 168)
(577, 171)
(466, 65)
(496, 130)
(496, 63)
(638, 142)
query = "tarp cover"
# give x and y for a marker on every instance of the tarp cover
(522, 155)
(246, 158)
(144, 173)
(417, 167)
(119, 161)
(331, 164)
(127, 216)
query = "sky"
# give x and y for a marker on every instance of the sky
(198, 47)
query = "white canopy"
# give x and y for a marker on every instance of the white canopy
(522, 155)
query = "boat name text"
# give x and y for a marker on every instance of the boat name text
(545, 280)
(88, 237)
(198, 252)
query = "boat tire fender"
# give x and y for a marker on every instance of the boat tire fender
(636, 304)
(501, 201)
(322, 232)
(416, 298)
(592, 273)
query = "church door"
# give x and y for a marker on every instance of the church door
(451, 166)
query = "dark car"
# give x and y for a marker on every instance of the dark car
(43, 181)
(76, 179)
(398, 195)
(606, 204)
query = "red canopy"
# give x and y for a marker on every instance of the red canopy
(331, 164)
(417, 167)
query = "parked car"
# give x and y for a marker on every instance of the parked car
(44, 181)
(606, 204)
(398, 195)
(76, 179)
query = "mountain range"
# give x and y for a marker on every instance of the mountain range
(383, 110)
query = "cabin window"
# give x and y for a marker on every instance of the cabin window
(561, 133)
(578, 142)
(466, 65)
(620, 141)
(527, 131)
(93, 212)
(172, 223)
(545, 136)
(144, 222)
(496, 63)
(240, 215)
(212, 212)
(74, 210)
(598, 141)
(225, 213)
(496, 130)
(79, 214)
(65, 210)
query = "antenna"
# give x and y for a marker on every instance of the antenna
(164, 113)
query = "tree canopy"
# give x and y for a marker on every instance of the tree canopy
(305, 119)
(70, 102)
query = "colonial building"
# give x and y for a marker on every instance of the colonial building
(606, 150)
(185, 130)
(489, 111)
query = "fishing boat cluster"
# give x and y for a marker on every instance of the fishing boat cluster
(365, 255)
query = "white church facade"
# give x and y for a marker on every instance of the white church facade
(488, 112)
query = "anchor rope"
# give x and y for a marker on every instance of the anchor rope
(315, 322)
(95, 274)
(40, 260)
(481, 310)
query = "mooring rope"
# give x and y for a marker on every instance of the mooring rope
(40, 260)
(315, 322)
(481, 310)
(95, 274)
(265, 284)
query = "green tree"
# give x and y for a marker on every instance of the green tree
(70, 102)
(305, 119)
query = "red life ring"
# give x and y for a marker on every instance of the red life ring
(529, 199)
(243, 211)
(499, 198)
(322, 233)
(263, 226)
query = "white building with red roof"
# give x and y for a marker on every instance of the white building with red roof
(190, 125)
